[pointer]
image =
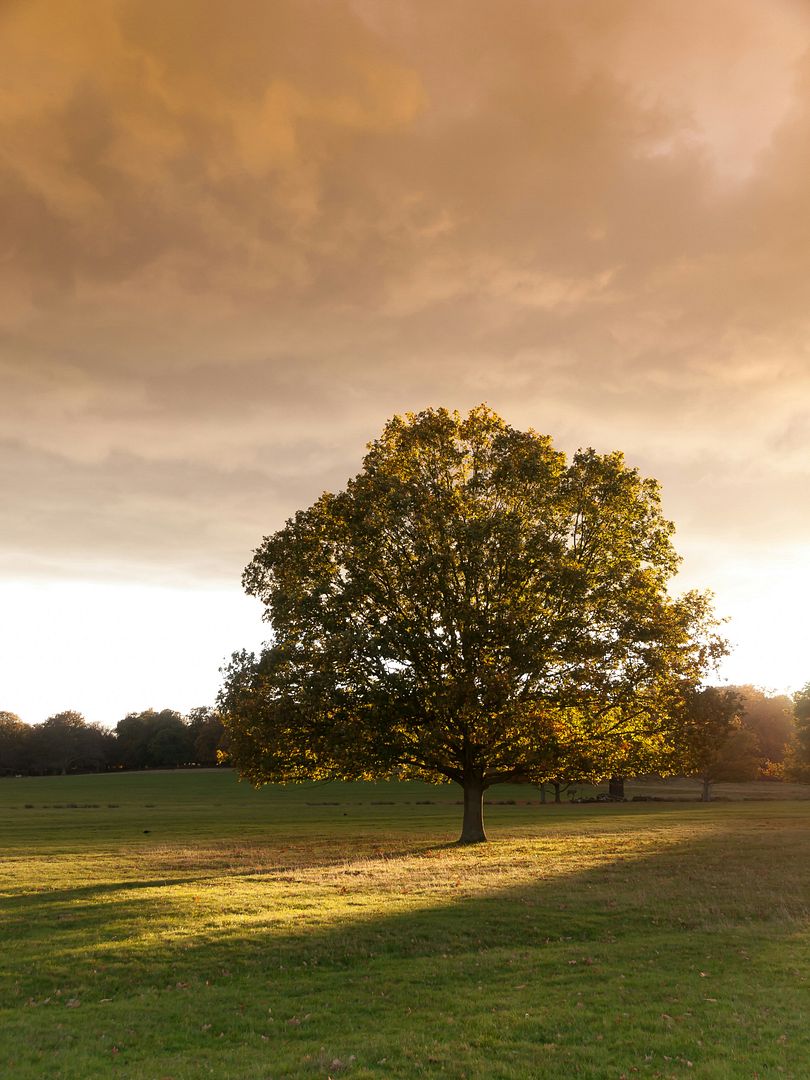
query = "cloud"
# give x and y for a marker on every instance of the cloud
(237, 238)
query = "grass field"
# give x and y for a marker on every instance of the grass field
(181, 925)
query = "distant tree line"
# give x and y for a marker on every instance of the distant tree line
(735, 733)
(67, 743)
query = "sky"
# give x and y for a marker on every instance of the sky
(236, 237)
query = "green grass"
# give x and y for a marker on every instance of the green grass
(183, 926)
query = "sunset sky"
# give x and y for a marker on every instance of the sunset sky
(236, 237)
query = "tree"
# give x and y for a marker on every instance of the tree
(770, 718)
(471, 608)
(616, 787)
(65, 742)
(206, 731)
(797, 760)
(153, 740)
(131, 738)
(14, 738)
(57, 741)
(714, 743)
(97, 748)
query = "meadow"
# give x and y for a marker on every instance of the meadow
(174, 926)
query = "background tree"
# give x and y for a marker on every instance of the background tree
(14, 740)
(470, 608)
(131, 738)
(65, 742)
(153, 740)
(714, 745)
(770, 718)
(616, 787)
(97, 748)
(206, 730)
(797, 758)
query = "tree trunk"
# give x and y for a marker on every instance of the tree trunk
(542, 793)
(616, 787)
(557, 788)
(472, 829)
(706, 796)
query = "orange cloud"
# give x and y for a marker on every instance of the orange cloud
(237, 237)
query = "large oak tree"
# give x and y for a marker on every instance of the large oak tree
(470, 608)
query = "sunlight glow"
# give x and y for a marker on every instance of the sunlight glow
(765, 597)
(110, 649)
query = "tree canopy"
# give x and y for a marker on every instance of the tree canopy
(66, 742)
(713, 742)
(473, 608)
(13, 733)
(798, 756)
(769, 717)
(151, 739)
